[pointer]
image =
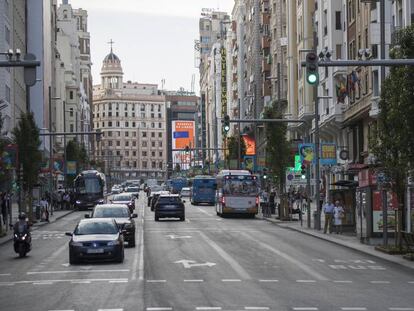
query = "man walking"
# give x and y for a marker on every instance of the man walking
(328, 209)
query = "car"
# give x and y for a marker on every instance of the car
(96, 238)
(124, 198)
(185, 192)
(169, 205)
(122, 216)
(151, 190)
(155, 198)
(133, 190)
(116, 190)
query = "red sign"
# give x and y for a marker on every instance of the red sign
(250, 145)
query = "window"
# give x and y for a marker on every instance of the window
(110, 114)
(134, 134)
(338, 20)
(133, 124)
(127, 153)
(71, 94)
(152, 107)
(160, 153)
(143, 107)
(143, 115)
(160, 135)
(103, 114)
(159, 108)
(144, 153)
(134, 143)
(7, 34)
(118, 143)
(152, 134)
(144, 164)
(125, 107)
(144, 144)
(126, 114)
(135, 163)
(153, 144)
(160, 165)
(153, 164)
(71, 112)
(338, 51)
(110, 106)
(110, 143)
(118, 124)
(71, 127)
(152, 153)
(117, 114)
(109, 133)
(152, 125)
(160, 144)
(109, 123)
(134, 153)
(159, 115)
(152, 115)
(103, 124)
(126, 124)
(126, 134)
(143, 125)
(119, 133)
(160, 125)
(126, 143)
(8, 99)
(144, 134)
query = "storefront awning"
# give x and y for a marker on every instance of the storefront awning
(346, 183)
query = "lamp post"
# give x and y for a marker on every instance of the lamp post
(51, 149)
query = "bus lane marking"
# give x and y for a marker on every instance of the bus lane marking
(203, 211)
(227, 257)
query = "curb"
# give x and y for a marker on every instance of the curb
(376, 254)
(6, 240)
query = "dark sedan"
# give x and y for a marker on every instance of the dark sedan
(122, 216)
(96, 238)
(124, 198)
(155, 197)
(169, 205)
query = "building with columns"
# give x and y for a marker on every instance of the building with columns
(132, 119)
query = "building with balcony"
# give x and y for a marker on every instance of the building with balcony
(132, 119)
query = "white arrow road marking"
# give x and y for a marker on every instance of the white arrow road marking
(66, 264)
(173, 237)
(192, 263)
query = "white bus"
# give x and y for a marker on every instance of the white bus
(237, 193)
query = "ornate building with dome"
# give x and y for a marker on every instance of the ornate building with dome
(132, 119)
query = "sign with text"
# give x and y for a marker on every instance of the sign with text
(183, 133)
(328, 154)
(307, 153)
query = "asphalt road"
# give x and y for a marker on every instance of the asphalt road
(204, 263)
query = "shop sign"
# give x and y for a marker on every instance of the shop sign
(328, 154)
(377, 212)
(307, 153)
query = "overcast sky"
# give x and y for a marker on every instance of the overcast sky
(153, 39)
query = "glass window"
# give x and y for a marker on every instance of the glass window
(118, 143)
(85, 228)
(160, 135)
(144, 134)
(111, 212)
(152, 134)
(153, 143)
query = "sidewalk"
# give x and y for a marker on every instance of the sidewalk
(52, 218)
(347, 239)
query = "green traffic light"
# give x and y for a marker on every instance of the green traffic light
(226, 128)
(303, 176)
(312, 78)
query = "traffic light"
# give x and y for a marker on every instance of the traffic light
(226, 126)
(303, 171)
(187, 149)
(312, 74)
(264, 173)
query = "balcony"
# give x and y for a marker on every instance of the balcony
(265, 66)
(265, 18)
(265, 42)
(267, 88)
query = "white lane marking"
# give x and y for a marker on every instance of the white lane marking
(159, 308)
(119, 309)
(353, 308)
(269, 281)
(156, 281)
(344, 281)
(76, 271)
(305, 281)
(231, 280)
(6, 284)
(119, 281)
(62, 310)
(138, 254)
(203, 211)
(304, 308)
(42, 283)
(63, 280)
(256, 308)
(195, 281)
(227, 257)
(400, 309)
(208, 308)
(380, 282)
(81, 282)
(187, 220)
(188, 264)
(411, 282)
(5, 274)
(287, 257)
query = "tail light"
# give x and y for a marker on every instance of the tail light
(257, 201)
(223, 200)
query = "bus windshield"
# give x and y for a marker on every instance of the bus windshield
(240, 185)
(88, 185)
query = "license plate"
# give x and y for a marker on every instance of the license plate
(95, 251)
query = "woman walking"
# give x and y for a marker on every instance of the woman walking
(339, 214)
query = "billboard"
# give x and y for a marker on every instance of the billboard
(328, 154)
(250, 144)
(183, 133)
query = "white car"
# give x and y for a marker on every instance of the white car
(185, 192)
(116, 190)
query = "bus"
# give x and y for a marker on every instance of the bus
(90, 189)
(176, 184)
(237, 193)
(203, 190)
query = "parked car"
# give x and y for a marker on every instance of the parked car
(133, 190)
(96, 238)
(124, 198)
(155, 197)
(185, 192)
(169, 205)
(122, 216)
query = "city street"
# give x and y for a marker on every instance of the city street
(204, 263)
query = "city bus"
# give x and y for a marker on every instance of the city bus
(90, 189)
(237, 193)
(175, 185)
(203, 190)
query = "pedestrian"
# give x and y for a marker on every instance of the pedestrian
(265, 207)
(339, 214)
(328, 209)
(3, 202)
(44, 207)
(272, 197)
(66, 200)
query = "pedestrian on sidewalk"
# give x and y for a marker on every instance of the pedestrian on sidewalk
(328, 209)
(44, 209)
(339, 214)
(66, 200)
(3, 202)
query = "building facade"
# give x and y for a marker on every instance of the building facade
(132, 119)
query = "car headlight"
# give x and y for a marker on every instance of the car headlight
(76, 244)
(78, 202)
(113, 243)
(101, 201)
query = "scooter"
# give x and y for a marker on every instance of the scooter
(22, 244)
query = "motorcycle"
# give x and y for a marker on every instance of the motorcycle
(22, 244)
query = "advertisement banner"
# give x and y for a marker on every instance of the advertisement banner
(377, 221)
(307, 153)
(249, 163)
(71, 167)
(183, 133)
(328, 154)
(223, 82)
(250, 144)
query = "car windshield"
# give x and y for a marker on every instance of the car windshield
(132, 189)
(111, 212)
(96, 228)
(121, 198)
(166, 200)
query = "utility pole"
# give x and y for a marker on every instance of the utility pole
(239, 139)
(64, 144)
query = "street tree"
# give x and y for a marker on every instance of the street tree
(26, 136)
(393, 138)
(233, 148)
(76, 152)
(277, 146)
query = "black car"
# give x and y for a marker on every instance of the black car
(155, 197)
(122, 216)
(96, 238)
(169, 205)
(124, 198)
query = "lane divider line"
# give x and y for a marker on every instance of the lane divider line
(231, 280)
(256, 308)
(159, 308)
(156, 281)
(208, 308)
(305, 281)
(304, 308)
(268, 281)
(353, 308)
(76, 271)
(193, 281)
